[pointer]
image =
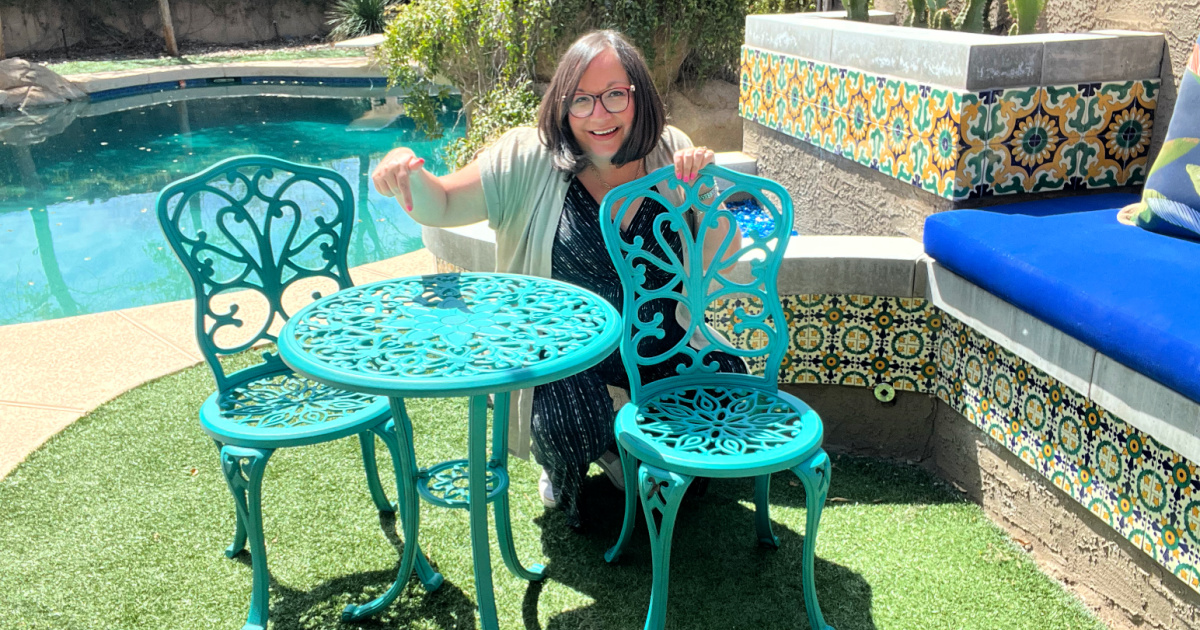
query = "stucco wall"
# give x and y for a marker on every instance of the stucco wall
(53, 24)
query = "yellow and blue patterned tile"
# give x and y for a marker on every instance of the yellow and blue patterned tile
(1118, 96)
(1012, 105)
(852, 339)
(1074, 107)
(975, 116)
(895, 157)
(972, 175)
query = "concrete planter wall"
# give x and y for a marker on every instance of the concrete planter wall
(960, 116)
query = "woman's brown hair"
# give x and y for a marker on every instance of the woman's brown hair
(649, 116)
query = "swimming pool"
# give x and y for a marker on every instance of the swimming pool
(78, 232)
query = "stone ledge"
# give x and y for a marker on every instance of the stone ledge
(960, 60)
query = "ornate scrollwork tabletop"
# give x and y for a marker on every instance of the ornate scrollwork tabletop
(450, 334)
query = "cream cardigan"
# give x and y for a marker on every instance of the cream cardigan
(525, 195)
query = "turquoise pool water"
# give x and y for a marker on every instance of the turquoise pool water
(78, 233)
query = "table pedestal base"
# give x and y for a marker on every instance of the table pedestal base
(449, 484)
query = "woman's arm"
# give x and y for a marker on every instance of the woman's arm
(447, 201)
(688, 162)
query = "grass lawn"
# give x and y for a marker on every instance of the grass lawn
(308, 52)
(121, 521)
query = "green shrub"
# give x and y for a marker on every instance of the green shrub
(495, 51)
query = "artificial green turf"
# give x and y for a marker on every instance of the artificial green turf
(78, 67)
(120, 522)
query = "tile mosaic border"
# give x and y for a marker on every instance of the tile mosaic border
(183, 84)
(953, 143)
(1142, 489)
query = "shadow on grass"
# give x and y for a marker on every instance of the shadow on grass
(720, 576)
(449, 607)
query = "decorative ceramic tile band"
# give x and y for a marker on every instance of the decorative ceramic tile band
(859, 340)
(1142, 489)
(953, 143)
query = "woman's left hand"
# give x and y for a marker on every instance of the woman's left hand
(689, 161)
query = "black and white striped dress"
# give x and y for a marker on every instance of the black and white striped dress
(572, 421)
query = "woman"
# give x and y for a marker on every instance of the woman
(601, 124)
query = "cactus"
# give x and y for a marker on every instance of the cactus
(936, 14)
(1025, 15)
(917, 13)
(971, 18)
(858, 10)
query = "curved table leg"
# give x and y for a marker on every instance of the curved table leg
(366, 440)
(430, 579)
(814, 474)
(243, 469)
(508, 549)
(406, 470)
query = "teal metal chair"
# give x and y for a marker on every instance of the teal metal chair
(701, 423)
(251, 230)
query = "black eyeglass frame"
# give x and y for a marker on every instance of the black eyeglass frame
(599, 98)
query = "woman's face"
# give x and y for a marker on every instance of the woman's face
(602, 134)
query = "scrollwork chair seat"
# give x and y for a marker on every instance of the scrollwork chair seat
(279, 409)
(719, 431)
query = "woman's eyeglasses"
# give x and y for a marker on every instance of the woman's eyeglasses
(614, 100)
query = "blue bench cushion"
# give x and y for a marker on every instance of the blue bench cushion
(1132, 295)
(1171, 202)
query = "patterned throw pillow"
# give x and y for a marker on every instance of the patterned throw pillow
(1171, 200)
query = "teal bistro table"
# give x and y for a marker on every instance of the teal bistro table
(451, 335)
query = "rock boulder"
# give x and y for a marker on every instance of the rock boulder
(25, 85)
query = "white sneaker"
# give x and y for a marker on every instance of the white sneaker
(546, 491)
(610, 463)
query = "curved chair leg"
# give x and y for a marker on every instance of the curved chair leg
(762, 511)
(629, 467)
(243, 469)
(366, 440)
(239, 528)
(661, 491)
(814, 474)
(398, 435)
(508, 550)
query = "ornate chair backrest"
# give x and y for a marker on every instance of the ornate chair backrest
(744, 292)
(260, 237)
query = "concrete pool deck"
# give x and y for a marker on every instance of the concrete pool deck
(54, 372)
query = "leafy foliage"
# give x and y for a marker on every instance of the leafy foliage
(495, 51)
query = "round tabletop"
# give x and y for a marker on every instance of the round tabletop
(450, 335)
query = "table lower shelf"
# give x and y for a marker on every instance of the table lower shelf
(446, 484)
